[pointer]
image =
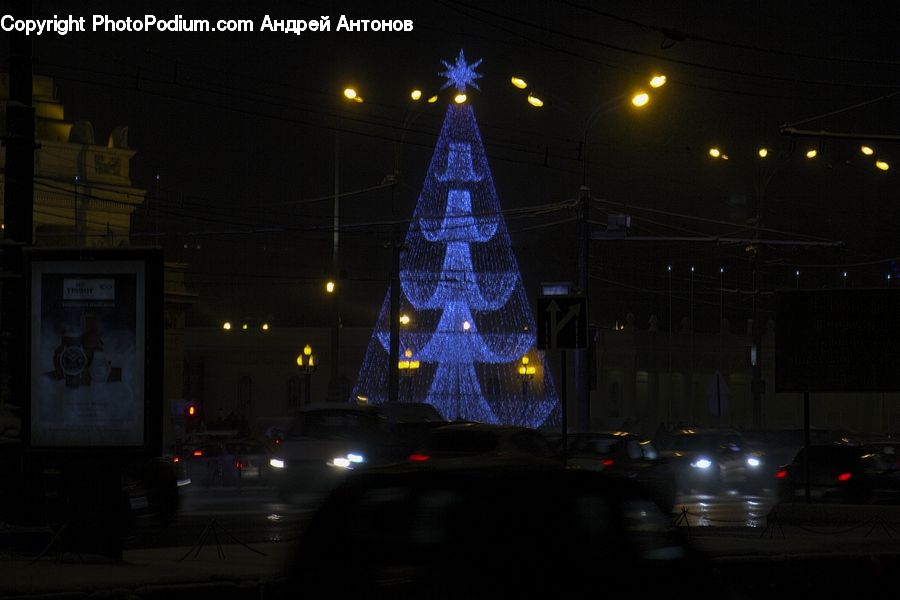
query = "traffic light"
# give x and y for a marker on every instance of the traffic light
(192, 417)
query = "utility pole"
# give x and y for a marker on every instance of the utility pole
(582, 366)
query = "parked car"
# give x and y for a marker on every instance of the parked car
(711, 460)
(623, 454)
(441, 530)
(326, 441)
(843, 474)
(482, 440)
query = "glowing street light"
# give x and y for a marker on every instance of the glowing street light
(715, 152)
(640, 99)
(226, 325)
(404, 319)
(245, 327)
(882, 165)
(526, 369)
(330, 287)
(460, 98)
(867, 150)
(307, 361)
(763, 152)
(351, 94)
(265, 326)
(415, 94)
(658, 81)
(812, 153)
(518, 82)
(466, 325)
(535, 101)
(433, 99)
(407, 365)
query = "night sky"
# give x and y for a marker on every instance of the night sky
(240, 129)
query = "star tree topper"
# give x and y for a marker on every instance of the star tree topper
(461, 73)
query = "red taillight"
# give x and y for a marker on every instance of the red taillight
(608, 462)
(781, 474)
(176, 459)
(416, 457)
(844, 476)
(277, 441)
(198, 452)
(239, 464)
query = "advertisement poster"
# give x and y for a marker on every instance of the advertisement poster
(87, 353)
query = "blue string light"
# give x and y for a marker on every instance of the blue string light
(470, 321)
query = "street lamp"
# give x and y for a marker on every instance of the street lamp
(407, 365)
(226, 325)
(308, 363)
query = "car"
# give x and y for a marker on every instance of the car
(409, 424)
(844, 474)
(483, 440)
(496, 530)
(228, 462)
(324, 442)
(623, 454)
(712, 460)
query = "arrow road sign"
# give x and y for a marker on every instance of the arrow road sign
(562, 322)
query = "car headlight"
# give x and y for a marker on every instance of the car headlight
(753, 461)
(276, 462)
(347, 461)
(703, 463)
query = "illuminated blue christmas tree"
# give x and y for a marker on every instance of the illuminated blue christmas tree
(470, 322)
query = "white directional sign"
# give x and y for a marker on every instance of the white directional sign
(562, 322)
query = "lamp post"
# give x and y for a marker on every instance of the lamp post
(308, 364)
(526, 372)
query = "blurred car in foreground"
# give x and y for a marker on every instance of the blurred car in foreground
(712, 460)
(326, 441)
(623, 454)
(843, 474)
(434, 530)
(481, 440)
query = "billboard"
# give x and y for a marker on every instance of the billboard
(837, 341)
(92, 318)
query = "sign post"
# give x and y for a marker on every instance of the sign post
(836, 341)
(562, 323)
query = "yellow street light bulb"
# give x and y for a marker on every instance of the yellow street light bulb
(312, 361)
(460, 98)
(307, 350)
(245, 327)
(640, 99)
(763, 152)
(404, 319)
(329, 287)
(715, 152)
(433, 99)
(350, 93)
(518, 82)
(535, 101)
(882, 165)
(466, 325)
(867, 150)
(407, 353)
(226, 325)
(415, 94)
(523, 370)
(724, 157)
(265, 326)
(299, 360)
(811, 153)
(524, 360)
(530, 370)
(658, 81)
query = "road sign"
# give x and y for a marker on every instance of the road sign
(562, 322)
(837, 341)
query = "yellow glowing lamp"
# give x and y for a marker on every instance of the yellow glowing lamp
(307, 350)
(657, 81)
(811, 153)
(524, 360)
(329, 287)
(245, 327)
(416, 95)
(884, 166)
(413, 364)
(867, 150)
(265, 326)
(312, 361)
(299, 360)
(433, 99)
(350, 93)
(404, 319)
(518, 82)
(535, 101)
(460, 98)
(226, 325)
(640, 99)
(763, 152)
(715, 152)
(523, 370)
